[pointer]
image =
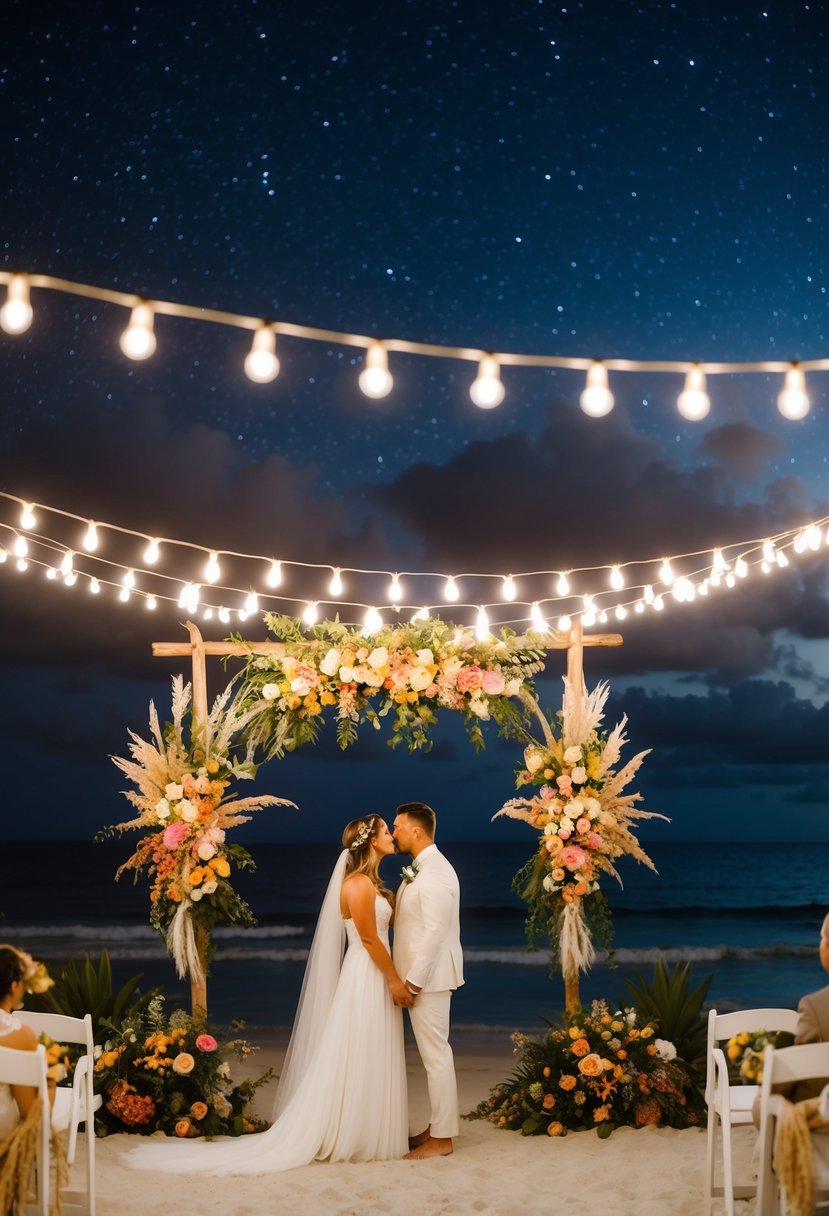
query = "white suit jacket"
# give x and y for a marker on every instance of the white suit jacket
(427, 933)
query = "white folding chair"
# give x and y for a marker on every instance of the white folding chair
(785, 1067)
(731, 1105)
(77, 1104)
(29, 1068)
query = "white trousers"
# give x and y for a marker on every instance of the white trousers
(430, 1023)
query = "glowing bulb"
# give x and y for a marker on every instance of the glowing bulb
(482, 625)
(563, 585)
(693, 402)
(537, 619)
(666, 574)
(718, 562)
(813, 537)
(128, 580)
(274, 575)
(647, 593)
(3, 555)
(124, 594)
(564, 624)
(741, 567)
(261, 363)
(375, 379)
(21, 547)
(189, 597)
(212, 570)
(602, 618)
(27, 516)
(90, 540)
(138, 339)
(242, 614)
(800, 541)
(768, 550)
(793, 402)
(251, 603)
(596, 399)
(151, 603)
(16, 314)
(94, 586)
(658, 603)
(450, 590)
(151, 553)
(207, 615)
(70, 579)
(764, 566)
(22, 565)
(587, 603)
(588, 619)
(508, 590)
(310, 614)
(639, 607)
(335, 587)
(487, 390)
(730, 580)
(621, 612)
(66, 563)
(422, 614)
(703, 587)
(51, 574)
(617, 579)
(224, 616)
(395, 591)
(372, 622)
(781, 559)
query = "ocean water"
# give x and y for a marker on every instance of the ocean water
(733, 910)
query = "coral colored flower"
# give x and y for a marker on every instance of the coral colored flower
(581, 1047)
(591, 1066)
(601, 1114)
(183, 1064)
(206, 1042)
(549, 1102)
(469, 679)
(555, 1128)
(198, 1110)
(184, 1128)
(174, 834)
(567, 1081)
(573, 857)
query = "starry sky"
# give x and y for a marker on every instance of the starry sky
(634, 180)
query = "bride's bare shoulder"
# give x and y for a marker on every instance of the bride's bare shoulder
(357, 882)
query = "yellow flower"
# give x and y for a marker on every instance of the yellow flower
(212, 766)
(601, 1113)
(328, 698)
(220, 865)
(196, 876)
(574, 1032)
(733, 1050)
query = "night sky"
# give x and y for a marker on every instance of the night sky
(643, 181)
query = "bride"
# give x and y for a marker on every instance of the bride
(342, 1093)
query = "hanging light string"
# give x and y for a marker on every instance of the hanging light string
(138, 342)
(205, 591)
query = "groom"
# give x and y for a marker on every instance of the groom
(427, 955)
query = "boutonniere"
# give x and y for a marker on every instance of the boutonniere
(409, 873)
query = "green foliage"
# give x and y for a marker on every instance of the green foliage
(88, 988)
(668, 999)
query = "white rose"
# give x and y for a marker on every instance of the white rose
(479, 706)
(572, 755)
(361, 673)
(664, 1049)
(217, 835)
(592, 806)
(196, 894)
(425, 658)
(209, 887)
(347, 675)
(301, 686)
(378, 658)
(270, 692)
(573, 808)
(162, 809)
(206, 850)
(534, 758)
(566, 824)
(173, 791)
(187, 811)
(373, 678)
(512, 687)
(419, 678)
(551, 829)
(578, 775)
(331, 662)
(223, 1069)
(549, 883)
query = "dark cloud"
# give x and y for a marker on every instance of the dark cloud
(742, 449)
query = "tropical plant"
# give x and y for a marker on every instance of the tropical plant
(88, 988)
(668, 1000)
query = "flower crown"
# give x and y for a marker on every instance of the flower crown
(35, 976)
(364, 831)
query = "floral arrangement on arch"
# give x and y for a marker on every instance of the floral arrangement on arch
(599, 1070)
(169, 1074)
(585, 824)
(407, 672)
(185, 810)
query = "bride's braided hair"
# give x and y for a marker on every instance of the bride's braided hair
(362, 859)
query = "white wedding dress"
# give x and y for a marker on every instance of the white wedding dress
(342, 1094)
(9, 1114)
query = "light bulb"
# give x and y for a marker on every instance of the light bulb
(124, 594)
(764, 566)
(703, 587)
(647, 593)
(800, 541)
(793, 402)
(151, 553)
(22, 565)
(251, 603)
(21, 547)
(224, 616)
(563, 585)
(372, 622)
(212, 571)
(487, 390)
(4, 553)
(588, 619)
(242, 614)
(693, 402)
(189, 597)
(596, 399)
(768, 550)
(138, 339)
(66, 562)
(375, 379)
(422, 614)
(94, 586)
(617, 579)
(666, 574)
(482, 625)
(639, 607)
(207, 615)
(70, 579)
(602, 618)
(813, 537)
(395, 591)
(621, 612)
(335, 587)
(27, 516)
(274, 575)
(129, 579)
(310, 614)
(16, 314)
(261, 363)
(450, 590)
(508, 590)
(587, 603)
(151, 603)
(539, 624)
(564, 624)
(718, 562)
(658, 603)
(741, 568)
(90, 540)
(51, 574)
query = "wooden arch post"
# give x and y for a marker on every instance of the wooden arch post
(572, 640)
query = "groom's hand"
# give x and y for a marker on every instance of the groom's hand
(400, 994)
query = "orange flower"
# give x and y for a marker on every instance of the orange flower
(174, 894)
(220, 865)
(183, 1063)
(622, 1054)
(591, 1066)
(196, 876)
(184, 1128)
(198, 1110)
(549, 1102)
(567, 1081)
(581, 1047)
(601, 1114)
(575, 1033)
(580, 888)
(650, 1049)
(546, 1071)
(555, 1128)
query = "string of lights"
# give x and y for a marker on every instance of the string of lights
(558, 597)
(487, 391)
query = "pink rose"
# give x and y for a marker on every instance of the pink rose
(573, 857)
(582, 826)
(564, 783)
(175, 834)
(469, 679)
(492, 683)
(206, 1042)
(565, 833)
(432, 690)
(547, 791)
(594, 840)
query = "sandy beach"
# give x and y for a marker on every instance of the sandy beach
(649, 1172)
